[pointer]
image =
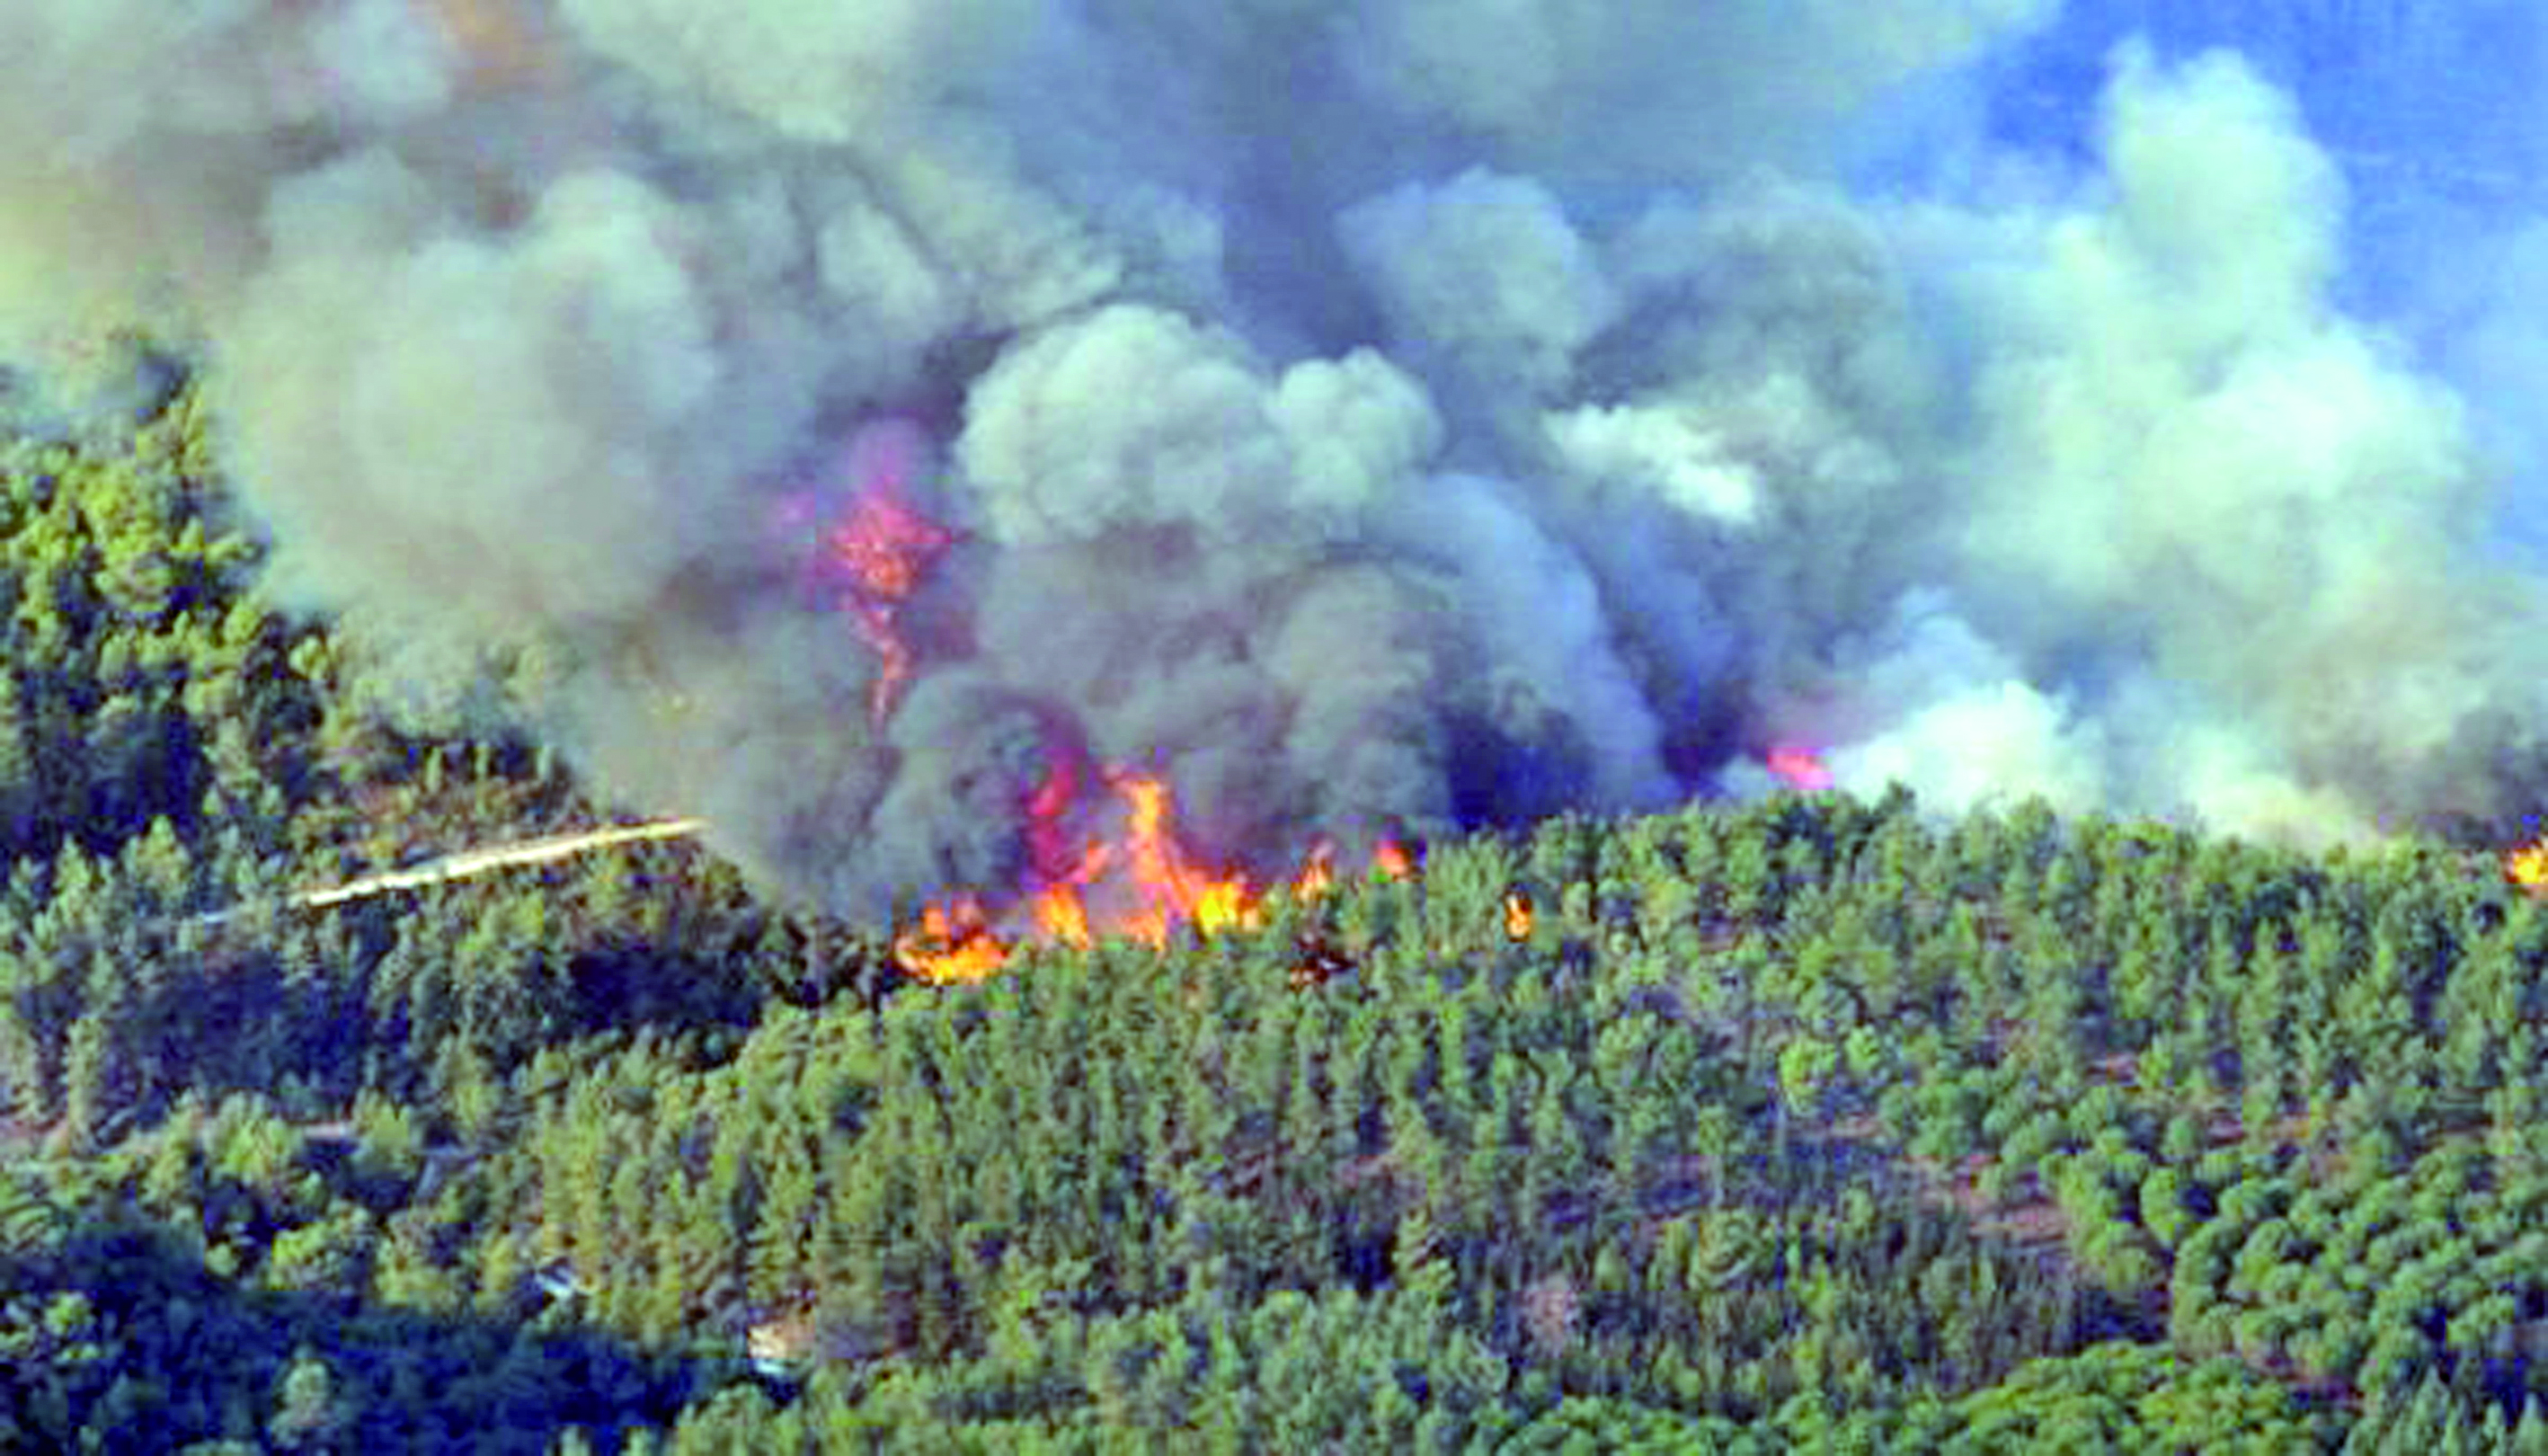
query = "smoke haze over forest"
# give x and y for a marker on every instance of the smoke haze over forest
(1375, 416)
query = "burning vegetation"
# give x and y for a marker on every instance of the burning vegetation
(1105, 855)
(1804, 1097)
(1138, 881)
(1433, 481)
(1521, 916)
(2527, 865)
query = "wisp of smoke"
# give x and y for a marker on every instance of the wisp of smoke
(1375, 416)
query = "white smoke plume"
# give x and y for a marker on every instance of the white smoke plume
(1377, 416)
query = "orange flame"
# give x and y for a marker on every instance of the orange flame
(495, 39)
(952, 945)
(1391, 858)
(1060, 917)
(1519, 914)
(1317, 872)
(1172, 887)
(2527, 865)
(1142, 884)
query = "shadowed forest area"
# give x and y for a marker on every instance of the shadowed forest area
(1805, 1124)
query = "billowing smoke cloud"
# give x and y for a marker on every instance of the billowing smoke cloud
(2197, 478)
(1377, 416)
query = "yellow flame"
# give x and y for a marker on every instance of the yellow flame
(2528, 867)
(1061, 915)
(1317, 872)
(952, 945)
(1519, 915)
(1225, 905)
(956, 941)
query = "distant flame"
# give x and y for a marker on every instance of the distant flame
(1799, 768)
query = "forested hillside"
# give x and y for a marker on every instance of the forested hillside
(1809, 1124)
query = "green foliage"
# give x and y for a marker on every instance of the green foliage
(1809, 1124)
(2128, 1398)
(1586, 1427)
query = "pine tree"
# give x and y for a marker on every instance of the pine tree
(2530, 1435)
(307, 1413)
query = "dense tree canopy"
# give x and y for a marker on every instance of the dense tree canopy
(1811, 1123)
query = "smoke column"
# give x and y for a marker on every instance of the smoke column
(1375, 416)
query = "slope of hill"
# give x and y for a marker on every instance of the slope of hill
(1809, 1124)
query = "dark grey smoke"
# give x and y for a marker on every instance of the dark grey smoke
(1376, 416)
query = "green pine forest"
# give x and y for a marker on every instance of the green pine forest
(1810, 1124)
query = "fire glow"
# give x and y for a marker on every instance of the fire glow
(1799, 768)
(2526, 865)
(1110, 864)
(879, 549)
(1140, 883)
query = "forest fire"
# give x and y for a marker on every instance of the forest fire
(954, 942)
(878, 551)
(1521, 916)
(1099, 865)
(1140, 883)
(2527, 865)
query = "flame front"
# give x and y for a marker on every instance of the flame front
(1174, 889)
(495, 40)
(1143, 883)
